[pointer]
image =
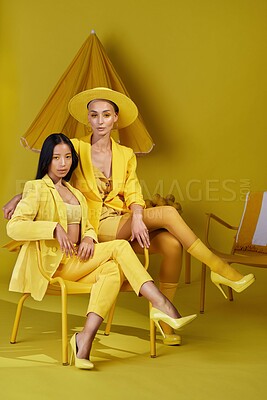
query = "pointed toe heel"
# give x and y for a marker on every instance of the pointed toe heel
(176, 323)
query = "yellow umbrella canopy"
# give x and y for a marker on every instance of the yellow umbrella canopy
(90, 68)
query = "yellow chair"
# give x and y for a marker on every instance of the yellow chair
(126, 287)
(57, 287)
(61, 287)
(245, 249)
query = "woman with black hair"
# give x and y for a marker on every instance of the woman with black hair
(55, 213)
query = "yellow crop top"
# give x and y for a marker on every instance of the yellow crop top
(74, 213)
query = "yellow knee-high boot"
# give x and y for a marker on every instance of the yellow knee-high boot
(171, 338)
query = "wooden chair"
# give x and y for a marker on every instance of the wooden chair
(243, 251)
(126, 287)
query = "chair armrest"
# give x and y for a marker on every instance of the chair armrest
(146, 254)
(214, 217)
(221, 221)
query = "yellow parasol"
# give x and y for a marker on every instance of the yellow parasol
(90, 68)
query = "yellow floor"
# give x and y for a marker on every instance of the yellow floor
(223, 354)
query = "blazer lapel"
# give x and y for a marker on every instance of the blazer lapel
(85, 156)
(59, 204)
(117, 170)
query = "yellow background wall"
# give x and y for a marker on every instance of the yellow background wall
(195, 68)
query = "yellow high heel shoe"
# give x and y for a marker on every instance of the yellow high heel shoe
(237, 286)
(176, 323)
(81, 363)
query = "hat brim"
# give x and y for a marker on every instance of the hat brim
(128, 111)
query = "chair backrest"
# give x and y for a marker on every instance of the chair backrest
(252, 232)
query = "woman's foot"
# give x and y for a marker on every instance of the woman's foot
(228, 272)
(84, 345)
(200, 251)
(176, 323)
(82, 363)
(237, 286)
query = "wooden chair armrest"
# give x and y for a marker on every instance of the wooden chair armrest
(221, 221)
(214, 217)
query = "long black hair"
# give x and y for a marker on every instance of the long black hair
(46, 155)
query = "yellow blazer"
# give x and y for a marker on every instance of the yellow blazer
(35, 218)
(126, 189)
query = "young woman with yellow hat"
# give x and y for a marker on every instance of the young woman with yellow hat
(107, 176)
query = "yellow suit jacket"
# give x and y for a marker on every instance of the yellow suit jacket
(35, 218)
(126, 189)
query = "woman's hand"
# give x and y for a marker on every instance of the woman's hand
(139, 230)
(64, 241)
(86, 249)
(10, 207)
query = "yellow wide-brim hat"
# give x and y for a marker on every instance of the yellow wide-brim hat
(128, 111)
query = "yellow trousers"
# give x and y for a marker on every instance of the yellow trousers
(111, 264)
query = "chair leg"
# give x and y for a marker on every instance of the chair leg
(203, 288)
(64, 321)
(110, 319)
(17, 318)
(231, 295)
(152, 329)
(187, 267)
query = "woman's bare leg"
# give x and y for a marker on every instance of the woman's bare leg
(158, 300)
(106, 278)
(84, 339)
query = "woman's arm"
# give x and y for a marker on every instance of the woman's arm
(87, 246)
(22, 225)
(10, 207)
(138, 227)
(88, 234)
(135, 202)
